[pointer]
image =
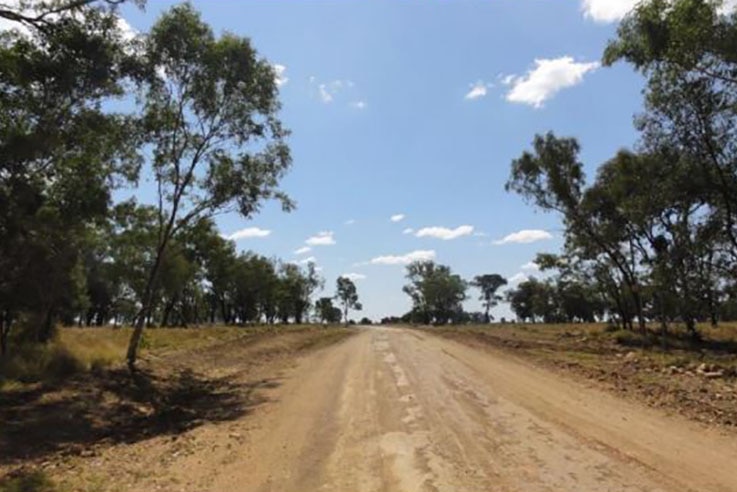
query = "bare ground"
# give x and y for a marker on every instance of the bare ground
(695, 379)
(401, 410)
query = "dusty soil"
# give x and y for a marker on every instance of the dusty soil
(697, 381)
(401, 410)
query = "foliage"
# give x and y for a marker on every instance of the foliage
(437, 294)
(347, 294)
(489, 284)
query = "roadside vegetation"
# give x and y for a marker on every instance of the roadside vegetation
(653, 237)
(91, 109)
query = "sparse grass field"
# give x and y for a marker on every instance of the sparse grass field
(83, 349)
(696, 379)
(186, 378)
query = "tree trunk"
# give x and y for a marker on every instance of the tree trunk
(167, 312)
(46, 330)
(145, 311)
(5, 323)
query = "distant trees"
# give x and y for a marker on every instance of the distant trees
(437, 294)
(326, 311)
(347, 295)
(489, 284)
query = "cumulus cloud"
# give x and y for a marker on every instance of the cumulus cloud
(546, 79)
(303, 250)
(325, 95)
(606, 11)
(517, 278)
(324, 238)
(445, 233)
(359, 104)
(280, 75)
(327, 91)
(305, 261)
(419, 255)
(530, 266)
(354, 276)
(397, 217)
(247, 233)
(478, 89)
(525, 236)
(408, 230)
(350, 221)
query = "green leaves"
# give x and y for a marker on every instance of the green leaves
(437, 294)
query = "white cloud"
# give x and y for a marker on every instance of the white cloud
(280, 75)
(408, 230)
(547, 78)
(305, 261)
(480, 234)
(525, 236)
(478, 89)
(325, 95)
(606, 11)
(350, 221)
(397, 217)
(531, 266)
(419, 255)
(354, 276)
(445, 233)
(506, 79)
(328, 90)
(303, 250)
(324, 238)
(359, 104)
(517, 278)
(247, 233)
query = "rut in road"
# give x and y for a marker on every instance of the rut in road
(398, 410)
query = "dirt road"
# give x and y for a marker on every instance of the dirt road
(401, 410)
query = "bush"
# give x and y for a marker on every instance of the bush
(35, 481)
(31, 363)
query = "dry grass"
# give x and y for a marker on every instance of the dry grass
(85, 349)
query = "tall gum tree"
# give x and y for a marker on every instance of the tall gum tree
(215, 143)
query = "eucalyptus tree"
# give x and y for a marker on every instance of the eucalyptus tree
(295, 289)
(552, 178)
(347, 294)
(326, 311)
(210, 114)
(437, 293)
(62, 150)
(685, 49)
(489, 284)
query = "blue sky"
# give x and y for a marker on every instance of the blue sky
(416, 108)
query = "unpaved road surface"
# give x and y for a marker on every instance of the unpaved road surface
(401, 410)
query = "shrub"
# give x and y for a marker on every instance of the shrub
(31, 363)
